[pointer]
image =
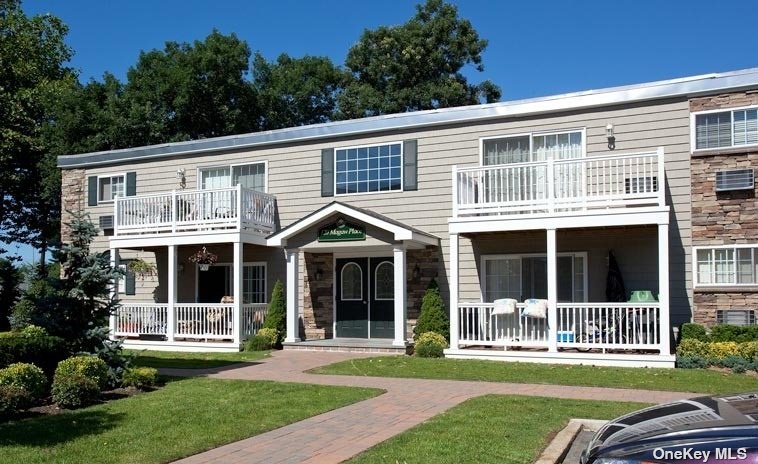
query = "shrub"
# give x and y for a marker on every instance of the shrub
(140, 377)
(28, 377)
(734, 333)
(90, 367)
(749, 351)
(430, 345)
(112, 353)
(258, 343)
(693, 331)
(720, 350)
(74, 390)
(692, 347)
(270, 334)
(433, 315)
(737, 364)
(276, 318)
(691, 362)
(33, 331)
(12, 399)
(44, 352)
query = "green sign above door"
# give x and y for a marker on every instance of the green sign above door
(341, 231)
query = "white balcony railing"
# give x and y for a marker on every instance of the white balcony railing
(560, 185)
(233, 208)
(192, 321)
(582, 326)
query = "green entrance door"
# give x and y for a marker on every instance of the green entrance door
(382, 301)
(352, 296)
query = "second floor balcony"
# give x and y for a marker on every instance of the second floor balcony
(223, 209)
(555, 186)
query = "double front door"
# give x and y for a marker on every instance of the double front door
(364, 297)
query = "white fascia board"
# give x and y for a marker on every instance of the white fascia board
(626, 217)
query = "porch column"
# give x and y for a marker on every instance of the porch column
(453, 282)
(172, 285)
(293, 268)
(237, 276)
(663, 288)
(552, 292)
(400, 295)
(114, 292)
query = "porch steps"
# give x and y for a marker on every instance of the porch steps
(348, 345)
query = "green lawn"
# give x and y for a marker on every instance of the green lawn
(183, 418)
(686, 380)
(193, 360)
(490, 429)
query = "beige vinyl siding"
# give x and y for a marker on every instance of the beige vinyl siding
(294, 172)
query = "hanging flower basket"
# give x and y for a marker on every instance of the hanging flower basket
(204, 259)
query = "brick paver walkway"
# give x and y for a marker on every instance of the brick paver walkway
(337, 435)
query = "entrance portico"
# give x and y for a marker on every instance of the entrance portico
(355, 274)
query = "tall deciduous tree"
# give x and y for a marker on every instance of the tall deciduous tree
(416, 66)
(32, 73)
(296, 91)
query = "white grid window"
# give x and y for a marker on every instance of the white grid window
(251, 176)
(525, 276)
(735, 316)
(532, 147)
(369, 169)
(110, 187)
(728, 265)
(722, 129)
(254, 283)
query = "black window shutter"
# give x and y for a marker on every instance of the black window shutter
(410, 165)
(327, 172)
(131, 184)
(130, 283)
(92, 191)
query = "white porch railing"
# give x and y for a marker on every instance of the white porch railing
(581, 326)
(233, 208)
(560, 185)
(196, 321)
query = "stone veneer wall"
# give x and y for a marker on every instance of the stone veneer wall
(722, 218)
(317, 311)
(72, 197)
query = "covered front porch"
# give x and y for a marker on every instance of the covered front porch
(183, 305)
(548, 295)
(353, 279)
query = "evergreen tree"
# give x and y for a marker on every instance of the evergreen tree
(10, 278)
(277, 311)
(433, 316)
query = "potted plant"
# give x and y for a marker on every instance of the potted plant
(142, 268)
(204, 259)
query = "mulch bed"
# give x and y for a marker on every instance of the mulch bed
(49, 408)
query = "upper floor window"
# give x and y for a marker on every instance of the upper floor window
(533, 147)
(723, 129)
(727, 265)
(108, 187)
(376, 168)
(251, 176)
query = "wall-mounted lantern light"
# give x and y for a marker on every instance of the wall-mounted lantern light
(611, 137)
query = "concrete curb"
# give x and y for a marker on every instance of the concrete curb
(558, 447)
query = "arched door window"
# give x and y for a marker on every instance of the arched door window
(352, 282)
(384, 281)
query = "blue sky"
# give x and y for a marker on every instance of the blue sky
(535, 47)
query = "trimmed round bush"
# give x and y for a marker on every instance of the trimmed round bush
(73, 391)
(258, 343)
(12, 400)
(430, 345)
(91, 367)
(271, 334)
(734, 333)
(26, 376)
(44, 352)
(140, 377)
(692, 330)
(33, 331)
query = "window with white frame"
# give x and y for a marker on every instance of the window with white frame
(108, 187)
(727, 265)
(525, 276)
(254, 283)
(524, 148)
(376, 168)
(724, 129)
(251, 176)
(735, 316)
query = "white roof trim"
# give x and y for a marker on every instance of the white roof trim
(400, 233)
(682, 87)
